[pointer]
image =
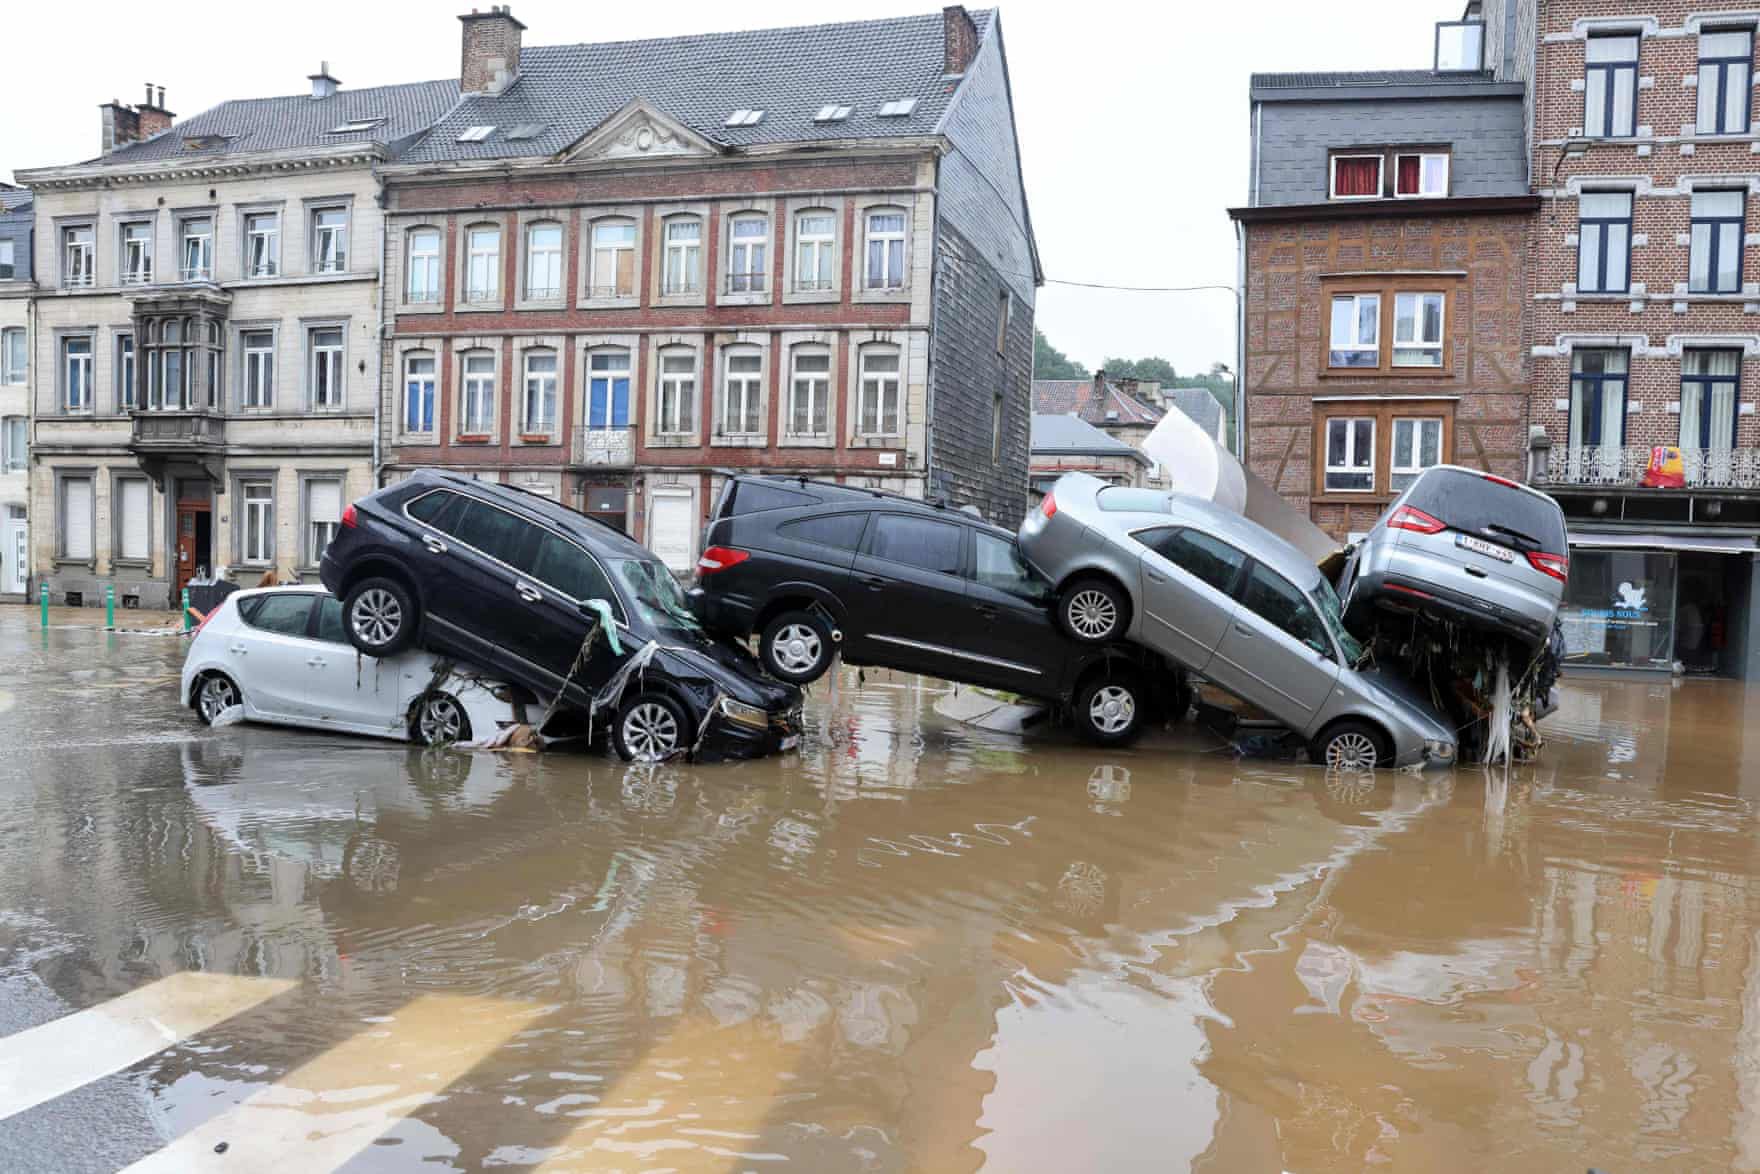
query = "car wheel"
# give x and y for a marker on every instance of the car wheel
(1109, 709)
(440, 721)
(1350, 746)
(215, 695)
(380, 616)
(796, 647)
(650, 727)
(1093, 611)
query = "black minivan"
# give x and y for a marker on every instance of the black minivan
(512, 582)
(814, 568)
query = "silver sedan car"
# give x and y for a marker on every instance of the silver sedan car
(1229, 600)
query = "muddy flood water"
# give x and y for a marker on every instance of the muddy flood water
(910, 946)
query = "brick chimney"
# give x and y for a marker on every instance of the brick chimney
(152, 114)
(491, 50)
(959, 39)
(121, 125)
(323, 85)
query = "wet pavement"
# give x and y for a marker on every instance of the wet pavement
(912, 946)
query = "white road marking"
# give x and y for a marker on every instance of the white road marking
(331, 1108)
(44, 1062)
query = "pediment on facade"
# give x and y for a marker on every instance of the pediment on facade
(638, 131)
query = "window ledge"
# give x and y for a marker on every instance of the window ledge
(478, 308)
(85, 564)
(281, 279)
(537, 438)
(682, 299)
(541, 304)
(630, 303)
(882, 295)
(674, 440)
(743, 299)
(739, 442)
(421, 307)
(136, 564)
(416, 438)
(1386, 373)
(473, 438)
(807, 442)
(877, 440)
(811, 296)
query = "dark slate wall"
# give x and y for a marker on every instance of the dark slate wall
(15, 226)
(968, 376)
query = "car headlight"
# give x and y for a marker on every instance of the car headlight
(1438, 750)
(743, 714)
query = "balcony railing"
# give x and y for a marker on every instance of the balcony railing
(738, 283)
(1715, 468)
(605, 448)
(607, 292)
(178, 429)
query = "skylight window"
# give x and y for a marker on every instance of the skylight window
(744, 117)
(476, 134)
(832, 113)
(527, 130)
(353, 125)
(898, 108)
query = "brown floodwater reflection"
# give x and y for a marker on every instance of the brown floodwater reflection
(912, 946)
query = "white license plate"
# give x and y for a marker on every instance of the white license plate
(1502, 554)
(790, 742)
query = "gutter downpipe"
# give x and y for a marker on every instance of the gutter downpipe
(384, 333)
(1240, 304)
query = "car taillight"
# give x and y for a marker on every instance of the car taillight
(1048, 507)
(719, 558)
(348, 518)
(1496, 480)
(1556, 565)
(1408, 518)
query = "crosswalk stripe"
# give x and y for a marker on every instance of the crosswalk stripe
(331, 1108)
(46, 1061)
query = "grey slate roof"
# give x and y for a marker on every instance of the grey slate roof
(788, 73)
(13, 199)
(1198, 404)
(1056, 435)
(286, 123)
(1371, 83)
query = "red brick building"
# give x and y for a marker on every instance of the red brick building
(617, 273)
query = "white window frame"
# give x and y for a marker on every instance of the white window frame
(70, 363)
(747, 387)
(681, 261)
(597, 287)
(430, 382)
(256, 546)
(329, 241)
(15, 457)
(551, 292)
(1350, 454)
(196, 265)
(1355, 344)
(62, 551)
(320, 534)
(425, 262)
(119, 492)
(890, 240)
(135, 258)
(1380, 176)
(127, 355)
(14, 368)
(817, 389)
(482, 265)
(1423, 158)
(1418, 425)
(675, 402)
(821, 248)
(885, 385)
(333, 357)
(262, 245)
(8, 261)
(78, 257)
(610, 374)
(476, 394)
(1427, 345)
(748, 257)
(256, 384)
(536, 386)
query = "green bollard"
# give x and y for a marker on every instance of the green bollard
(44, 595)
(110, 608)
(186, 621)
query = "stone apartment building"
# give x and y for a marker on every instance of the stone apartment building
(1382, 251)
(1646, 324)
(15, 327)
(203, 344)
(619, 273)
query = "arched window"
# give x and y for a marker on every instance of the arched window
(543, 261)
(538, 405)
(809, 391)
(683, 269)
(885, 249)
(482, 263)
(748, 238)
(422, 266)
(742, 392)
(877, 410)
(815, 243)
(418, 393)
(677, 407)
(608, 389)
(477, 394)
(613, 267)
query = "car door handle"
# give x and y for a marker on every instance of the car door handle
(988, 610)
(529, 593)
(433, 544)
(1153, 577)
(1246, 632)
(1476, 572)
(873, 582)
(237, 649)
(317, 662)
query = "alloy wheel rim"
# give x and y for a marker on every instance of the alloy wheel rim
(1112, 709)
(650, 732)
(377, 616)
(440, 720)
(217, 696)
(1092, 613)
(797, 648)
(1352, 751)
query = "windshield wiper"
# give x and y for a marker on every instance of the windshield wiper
(1516, 534)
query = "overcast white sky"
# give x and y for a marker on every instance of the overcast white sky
(1132, 117)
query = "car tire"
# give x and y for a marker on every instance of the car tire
(796, 647)
(380, 617)
(1350, 746)
(439, 720)
(1109, 709)
(1093, 611)
(214, 694)
(650, 727)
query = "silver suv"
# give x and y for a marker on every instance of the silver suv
(1226, 598)
(1464, 546)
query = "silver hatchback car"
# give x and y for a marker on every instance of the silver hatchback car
(1231, 601)
(1465, 546)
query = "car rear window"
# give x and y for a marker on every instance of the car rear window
(752, 497)
(1466, 501)
(838, 531)
(916, 542)
(440, 509)
(1123, 500)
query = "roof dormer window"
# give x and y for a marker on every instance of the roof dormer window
(743, 117)
(1460, 46)
(476, 134)
(832, 113)
(354, 126)
(898, 108)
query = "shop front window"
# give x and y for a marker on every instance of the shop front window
(1619, 608)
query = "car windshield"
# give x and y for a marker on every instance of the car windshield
(1333, 613)
(657, 596)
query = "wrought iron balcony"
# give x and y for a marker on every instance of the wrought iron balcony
(1716, 468)
(604, 448)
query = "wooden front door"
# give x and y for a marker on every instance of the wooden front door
(191, 529)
